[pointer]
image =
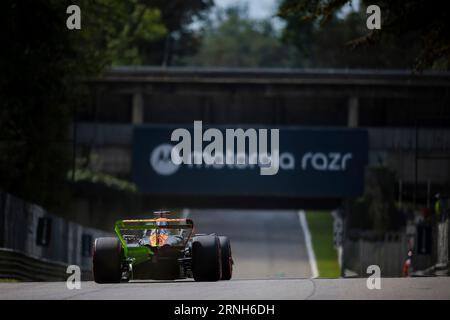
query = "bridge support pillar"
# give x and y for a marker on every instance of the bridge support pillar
(137, 113)
(353, 112)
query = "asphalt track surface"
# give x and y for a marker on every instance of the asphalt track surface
(284, 289)
(271, 262)
(265, 244)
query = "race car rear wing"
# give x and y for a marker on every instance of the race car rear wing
(145, 224)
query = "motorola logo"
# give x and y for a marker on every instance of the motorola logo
(162, 164)
(161, 161)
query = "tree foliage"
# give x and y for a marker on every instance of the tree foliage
(180, 39)
(41, 63)
(235, 40)
(131, 23)
(415, 23)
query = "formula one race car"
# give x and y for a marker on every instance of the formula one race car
(161, 248)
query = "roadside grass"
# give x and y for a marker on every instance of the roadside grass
(320, 225)
(8, 280)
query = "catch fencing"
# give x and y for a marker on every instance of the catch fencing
(388, 253)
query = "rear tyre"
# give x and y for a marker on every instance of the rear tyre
(227, 260)
(206, 258)
(106, 261)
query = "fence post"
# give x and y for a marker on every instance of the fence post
(442, 248)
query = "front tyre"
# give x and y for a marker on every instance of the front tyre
(107, 260)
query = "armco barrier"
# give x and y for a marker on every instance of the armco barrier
(19, 266)
(38, 246)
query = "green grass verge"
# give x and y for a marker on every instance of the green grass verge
(8, 280)
(320, 225)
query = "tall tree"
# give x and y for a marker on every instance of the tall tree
(177, 17)
(235, 40)
(416, 23)
(41, 65)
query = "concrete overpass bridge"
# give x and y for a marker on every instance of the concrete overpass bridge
(269, 96)
(400, 109)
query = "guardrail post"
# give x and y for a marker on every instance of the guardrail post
(138, 108)
(353, 111)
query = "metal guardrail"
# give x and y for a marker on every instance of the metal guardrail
(20, 266)
(38, 246)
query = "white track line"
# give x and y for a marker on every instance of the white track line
(339, 247)
(309, 247)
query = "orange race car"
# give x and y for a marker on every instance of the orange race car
(161, 248)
